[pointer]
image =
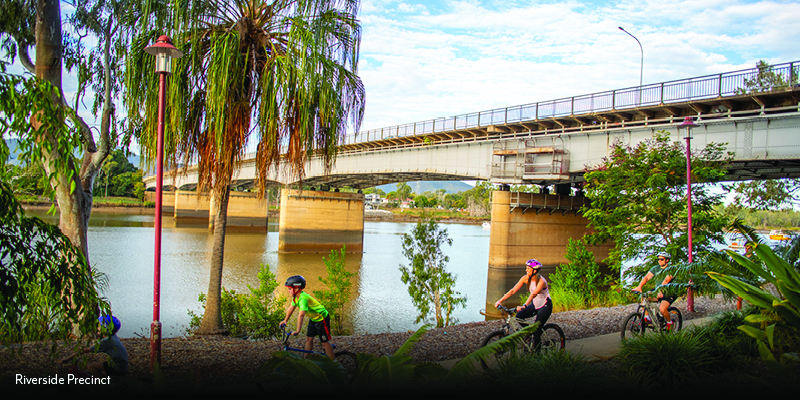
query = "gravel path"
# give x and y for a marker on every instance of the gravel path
(220, 360)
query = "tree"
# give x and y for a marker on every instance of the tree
(429, 283)
(338, 292)
(638, 200)
(282, 74)
(403, 192)
(46, 287)
(52, 143)
(479, 199)
(767, 79)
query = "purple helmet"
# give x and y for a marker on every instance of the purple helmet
(533, 263)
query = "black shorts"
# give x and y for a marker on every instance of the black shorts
(320, 329)
(668, 299)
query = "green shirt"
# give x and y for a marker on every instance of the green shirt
(314, 309)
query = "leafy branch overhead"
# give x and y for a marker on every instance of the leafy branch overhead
(638, 198)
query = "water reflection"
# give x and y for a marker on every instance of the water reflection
(121, 246)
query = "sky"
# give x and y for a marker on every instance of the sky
(421, 60)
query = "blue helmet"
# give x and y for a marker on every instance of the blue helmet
(107, 320)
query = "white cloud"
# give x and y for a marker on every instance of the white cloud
(426, 60)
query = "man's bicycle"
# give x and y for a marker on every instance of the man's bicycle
(637, 323)
(345, 358)
(552, 337)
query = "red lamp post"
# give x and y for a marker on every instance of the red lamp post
(688, 123)
(164, 52)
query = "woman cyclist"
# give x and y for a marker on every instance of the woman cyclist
(539, 302)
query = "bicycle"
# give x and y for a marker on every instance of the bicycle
(638, 322)
(345, 358)
(552, 337)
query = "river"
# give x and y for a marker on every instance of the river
(121, 246)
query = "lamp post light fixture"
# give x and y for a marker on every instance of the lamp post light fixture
(688, 123)
(641, 63)
(164, 52)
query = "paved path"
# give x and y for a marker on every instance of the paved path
(604, 346)
(598, 347)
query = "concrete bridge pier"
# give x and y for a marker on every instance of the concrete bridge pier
(245, 210)
(318, 222)
(525, 226)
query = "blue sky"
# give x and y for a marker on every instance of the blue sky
(428, 59)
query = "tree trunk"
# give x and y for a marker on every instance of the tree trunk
(212, 318)
(72, 205)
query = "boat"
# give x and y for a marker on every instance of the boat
(486, 225)
(777, 235)
(735, 246)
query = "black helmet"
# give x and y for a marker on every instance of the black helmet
(296, 281)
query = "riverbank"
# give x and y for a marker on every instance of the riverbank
(202, 363)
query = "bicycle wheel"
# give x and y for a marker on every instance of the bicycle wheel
(676, 318)
(632, 326)
(499, 355)
(348, 361)
(552, 338)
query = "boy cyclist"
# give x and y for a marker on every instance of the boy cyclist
(319, 323)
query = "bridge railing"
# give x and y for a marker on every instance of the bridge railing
(757, 79)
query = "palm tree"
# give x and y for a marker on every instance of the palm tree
(280, 74)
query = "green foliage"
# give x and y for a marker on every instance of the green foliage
(338, 293)
(429, 284)
(581, 275)
(767, 79)
(579, 284)
(255, 315)
(393, 373)
(665, 361)
(22, 98)
(548, 372)
(478, 200)
(46, 286)
(777, 327)
(638, 199)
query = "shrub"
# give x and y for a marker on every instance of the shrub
(338, 293)
(255, 315)
(665, 360)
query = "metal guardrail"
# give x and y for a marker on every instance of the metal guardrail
(697, 88)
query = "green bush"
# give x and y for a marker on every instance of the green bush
(338, 292)
(548, 372)
(665, 360)
(255, 315)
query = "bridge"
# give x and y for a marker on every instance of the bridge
(756, 112)
(552, 142)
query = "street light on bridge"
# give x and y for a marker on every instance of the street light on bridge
(688, 123)
(164, 52)
(641, 64)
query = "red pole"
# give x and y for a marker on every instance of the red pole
(155, 327)
(690, 297)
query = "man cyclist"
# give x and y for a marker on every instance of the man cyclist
(663, 301)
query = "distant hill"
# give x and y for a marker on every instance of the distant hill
(13, 157)
(420, 187)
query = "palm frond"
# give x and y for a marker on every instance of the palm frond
(406, 348)
(467, 367)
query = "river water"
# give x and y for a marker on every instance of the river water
(122, 247)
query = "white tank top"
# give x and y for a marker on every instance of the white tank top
(541, 298)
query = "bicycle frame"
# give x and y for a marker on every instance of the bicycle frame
(651, 316)
(286, 347)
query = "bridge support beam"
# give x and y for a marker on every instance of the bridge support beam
(519, 234)
(245, 211)
(318, 222)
